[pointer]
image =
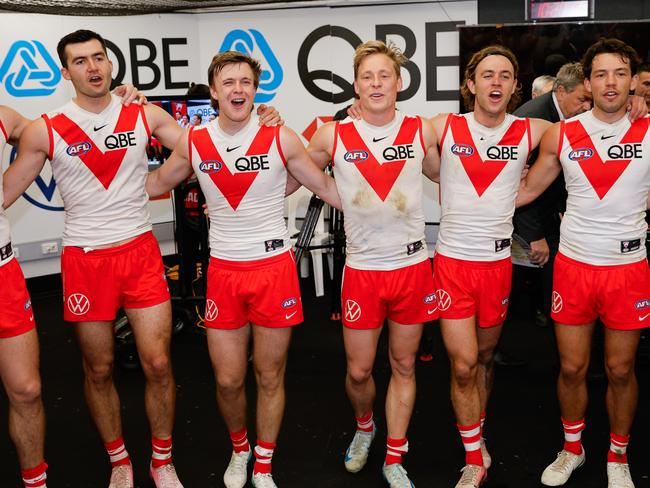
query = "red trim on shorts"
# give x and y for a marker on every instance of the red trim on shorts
(279, 146)
(444, 131)
(144, 121)
(248, 265)
(596, 267)
(99, 253)
(50, 135)
(336, 137)
(561, 141)
(4, 131)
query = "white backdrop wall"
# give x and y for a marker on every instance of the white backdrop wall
(302, 51)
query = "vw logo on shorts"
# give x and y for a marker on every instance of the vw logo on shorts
(78, 303)
(29, 70)
(211, 310)
(444, 300)
(352, 311)
(556, 302)
(252, 43)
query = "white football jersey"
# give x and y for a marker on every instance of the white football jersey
(99, 163)
(243, 177)
(607, 173)
(480, 173)
(378, 172)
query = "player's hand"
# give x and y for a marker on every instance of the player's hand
(637, 107)
(355, 110)
(524, 171)
(130, 94)
(269, 115)
(539, 252)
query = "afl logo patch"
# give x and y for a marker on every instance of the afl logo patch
(642, 304)
(430, 298)
(289, 302)
(581, 154)
(355, 156)
(210, 166)
(79, 148)
(462, 149)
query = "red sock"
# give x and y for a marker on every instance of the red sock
(471, 437)
(573, 435)
(365, 423)
(34, 477)
(263, 456)
(161, 452)
(240, 441)
(394, 450)
(618, 448)
(117, 452)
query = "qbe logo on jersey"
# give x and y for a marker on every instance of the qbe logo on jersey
(29, 70)
(252, 43)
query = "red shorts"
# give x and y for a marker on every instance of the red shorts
(264, 292)
(16, 314)
(619, 295)
(96, 284)
(405, 295)
(473, 288)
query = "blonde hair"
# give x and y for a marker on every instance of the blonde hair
(379, 47)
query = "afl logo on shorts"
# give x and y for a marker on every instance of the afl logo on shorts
(211, 310)
(642, 304)
(289, 302)
(79, 148)
(28, 304)
(556, 302)
(430, 298)
(355, 156)
(581, 154)
(444, 300)
(462, 149)
(352, 311)
(210, 166)
(78, 303)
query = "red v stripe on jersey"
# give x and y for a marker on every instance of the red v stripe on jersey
(482, 173)
(381, 177)
(232, 186)
(103, 165)
(602, 175)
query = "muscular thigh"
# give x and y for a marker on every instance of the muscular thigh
(19, 360)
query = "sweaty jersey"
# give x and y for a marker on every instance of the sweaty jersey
(6, 253)
(99, 163)
(243, 177)
(607, 173)
(480, 171)
(378, 172)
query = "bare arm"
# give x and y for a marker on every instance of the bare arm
(318, 151)
(538, 128)
(431, 161)
(14, 124)
(544, 171)
(162, 126)
(301, 166)
(177, 168)
(32, 153)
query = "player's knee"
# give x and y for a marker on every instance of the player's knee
(27, 393)
(486, 356)
(158, 367)
(464, 371)
(572, 372)
(99, 374)
(269, 380)
(359, 374)
(403, 367)
(619, 371)
(229, 385)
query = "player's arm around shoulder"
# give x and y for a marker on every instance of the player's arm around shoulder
(321, 143)
(538, 128)
(544, 170)
(305, 171)
(14, 124)
(431, 161)
(33, 150)
(162, 125)
(176, 169)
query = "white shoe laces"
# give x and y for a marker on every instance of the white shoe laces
(471, 476)
(167, 477)
(360, 443)
(619, 475)
(564, 463)
(397, 476)
(264, 480)
(121, 476)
